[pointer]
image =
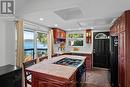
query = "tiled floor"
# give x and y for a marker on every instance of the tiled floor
(97, 78)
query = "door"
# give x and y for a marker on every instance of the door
(101, 49)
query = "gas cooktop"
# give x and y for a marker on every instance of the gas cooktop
(69, 62)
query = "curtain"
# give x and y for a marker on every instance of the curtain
(20, 43)
(50, 43)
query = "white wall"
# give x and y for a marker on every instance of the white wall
(86, 48)
(2, 43)
(10, 43)
(7, 42)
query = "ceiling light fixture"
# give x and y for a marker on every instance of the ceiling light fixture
(41, 19)
(92, 27)
(55, 25)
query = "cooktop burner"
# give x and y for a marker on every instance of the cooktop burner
(69, 62)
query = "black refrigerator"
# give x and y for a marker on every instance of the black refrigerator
(114, 61)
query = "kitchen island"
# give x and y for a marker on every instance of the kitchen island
(48, 74)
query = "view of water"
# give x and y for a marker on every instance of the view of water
(29, 44)
(29, 48)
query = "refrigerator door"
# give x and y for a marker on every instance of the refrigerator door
(114, 61)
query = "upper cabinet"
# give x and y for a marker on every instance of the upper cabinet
(121, 28)
(59, 35)
(88, 36)
(118, 26)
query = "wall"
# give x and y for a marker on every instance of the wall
(7, 42)
(2, 43)
(10, 43)
(86, 48)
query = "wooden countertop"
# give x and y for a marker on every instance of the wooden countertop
(47, 67)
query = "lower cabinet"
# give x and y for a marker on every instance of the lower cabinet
(10, 76)
(89, 61)
(42, 83)
(44, 80)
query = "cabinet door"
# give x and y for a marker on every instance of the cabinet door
(89, 62)
(47, 83)
(55, 34)
(122, 60)
(122, 23)
(122, 44)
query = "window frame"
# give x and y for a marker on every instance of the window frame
(35, 39)
(69, 39)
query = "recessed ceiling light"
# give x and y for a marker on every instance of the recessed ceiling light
(55, 25)
(92, 27)
(41, 19)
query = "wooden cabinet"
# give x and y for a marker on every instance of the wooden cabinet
(89, 61)
(44, 83)
(46, 80)
(122, 60)
(59, 35)
(121, 28)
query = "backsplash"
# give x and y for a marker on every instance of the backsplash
(86, 48)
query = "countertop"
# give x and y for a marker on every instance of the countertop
(48, 67)
(75, 52)
(80, 52)
(7, 69)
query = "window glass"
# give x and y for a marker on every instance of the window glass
(75, 39)
(101, 36)
(35, 44)
(76, 43)
(75, 35)
(41, 44)
(28, 45)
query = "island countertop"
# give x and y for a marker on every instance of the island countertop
(47, 67)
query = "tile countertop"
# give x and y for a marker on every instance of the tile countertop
(48, 67)
(80, 52)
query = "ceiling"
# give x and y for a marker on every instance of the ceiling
(72, 14)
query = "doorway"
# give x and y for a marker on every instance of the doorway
(101, 53)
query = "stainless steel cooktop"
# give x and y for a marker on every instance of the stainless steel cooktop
(69, 62)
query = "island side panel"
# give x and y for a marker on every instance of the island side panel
(44, 80)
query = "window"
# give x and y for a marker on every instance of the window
(41, 44)
(75, 35)
(35, 44)
(75, 39)
(28, 44)
(76, 43)
(101, 36)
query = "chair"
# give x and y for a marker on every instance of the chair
(42, 58)
(27, 74)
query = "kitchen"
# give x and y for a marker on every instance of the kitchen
(65, 43)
